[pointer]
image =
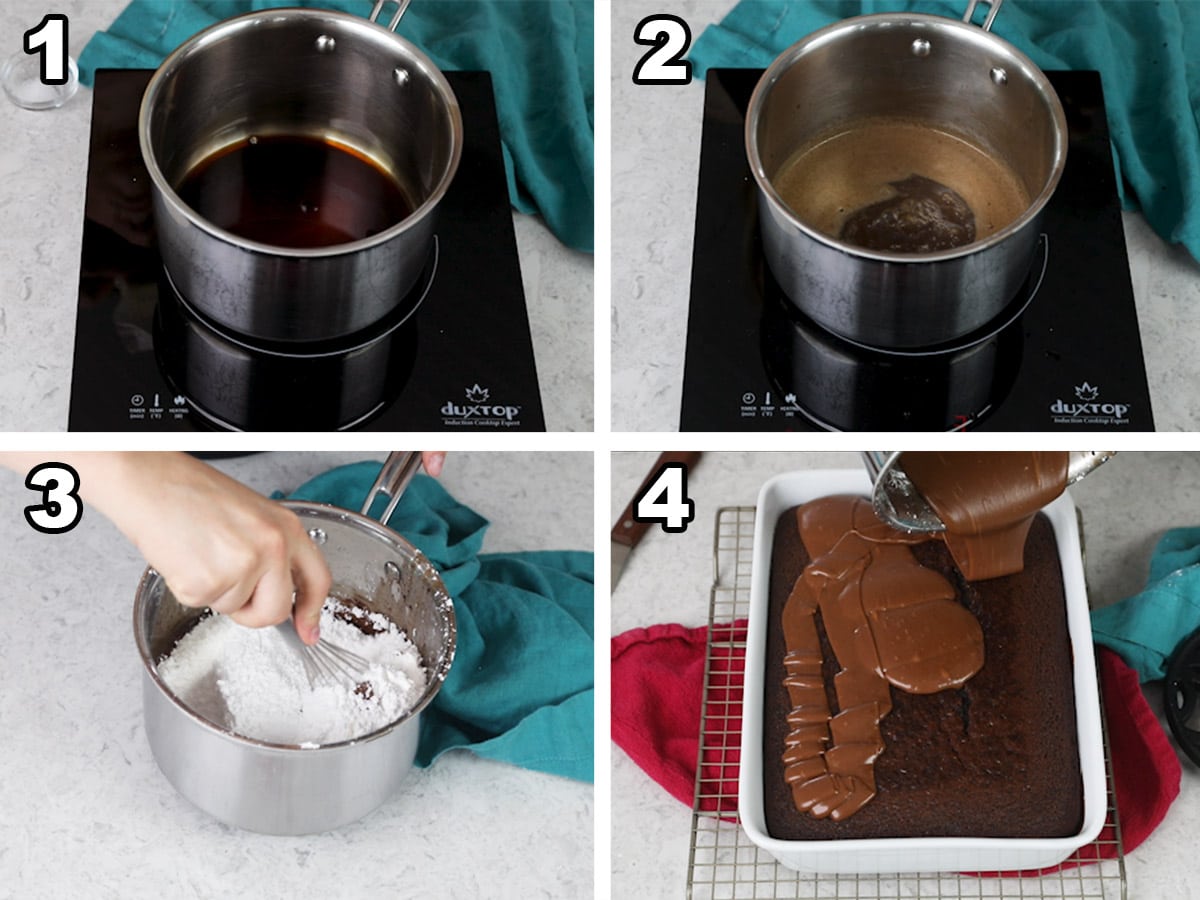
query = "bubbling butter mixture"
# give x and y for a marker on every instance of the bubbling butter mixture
(900, 185)
(250, 681)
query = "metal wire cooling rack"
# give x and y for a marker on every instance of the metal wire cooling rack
(724, 865)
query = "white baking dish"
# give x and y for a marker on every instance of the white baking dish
(946, 854)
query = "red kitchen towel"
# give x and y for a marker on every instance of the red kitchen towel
(657, 688)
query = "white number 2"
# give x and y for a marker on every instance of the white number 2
(665, 499)
(670, 37)
(49, 38)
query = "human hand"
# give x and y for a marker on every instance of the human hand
(215, 542)
(432, 460)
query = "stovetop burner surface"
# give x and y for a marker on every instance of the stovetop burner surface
(1070, 361)
(145, 361)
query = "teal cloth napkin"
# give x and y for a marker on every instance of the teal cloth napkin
(520, 689)
(1145, 628)
(540, 54)
(1146, 53)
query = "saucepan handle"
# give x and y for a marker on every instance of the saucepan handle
(402, 5)
(398, 470)
(993, 8)
(1081, 463)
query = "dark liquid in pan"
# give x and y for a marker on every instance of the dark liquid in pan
(294, 191)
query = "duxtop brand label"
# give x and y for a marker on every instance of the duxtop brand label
(478, 412)
(1088, 407)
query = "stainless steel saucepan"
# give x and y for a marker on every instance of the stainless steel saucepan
(897, 501)
(299, 73)
(290, 788)
(950, 76)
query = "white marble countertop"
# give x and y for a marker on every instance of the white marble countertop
(43, 166)
(1127, 505)
(84, 811)
(655, 160)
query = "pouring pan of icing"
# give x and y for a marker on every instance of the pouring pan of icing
(290, 785)
(834, 841)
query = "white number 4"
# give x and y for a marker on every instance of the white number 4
(665, 500)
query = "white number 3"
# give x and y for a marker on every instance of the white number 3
(60, 509)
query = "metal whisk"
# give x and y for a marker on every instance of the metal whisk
(324, 662)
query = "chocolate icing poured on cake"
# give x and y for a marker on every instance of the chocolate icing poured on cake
(967, 761)
(890, 620)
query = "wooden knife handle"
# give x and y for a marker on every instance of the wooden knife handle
(629, 531)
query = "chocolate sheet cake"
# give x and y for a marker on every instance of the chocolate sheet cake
(996, 757)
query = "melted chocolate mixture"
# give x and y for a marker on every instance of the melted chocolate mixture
(987, 501)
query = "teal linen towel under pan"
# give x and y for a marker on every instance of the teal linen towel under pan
(1146, 628)
(520, 689)
(1146, 53)
(539, 52)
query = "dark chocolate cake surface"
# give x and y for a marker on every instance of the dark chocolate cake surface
(997, 757)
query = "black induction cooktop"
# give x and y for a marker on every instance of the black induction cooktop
(1065, 355)
(455, 354)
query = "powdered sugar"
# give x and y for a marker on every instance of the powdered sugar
(251, 682)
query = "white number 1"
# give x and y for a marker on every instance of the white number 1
(49, 38)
